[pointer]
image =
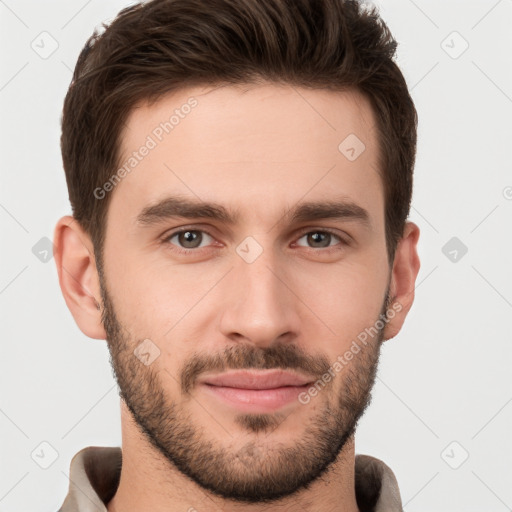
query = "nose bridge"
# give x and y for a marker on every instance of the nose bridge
(260, 306)
(257, 273)
(259, 276)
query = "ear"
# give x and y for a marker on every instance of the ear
(406, 265)
(78, 276)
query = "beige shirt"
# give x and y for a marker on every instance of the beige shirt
(95, 471)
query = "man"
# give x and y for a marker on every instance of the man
(240, 174)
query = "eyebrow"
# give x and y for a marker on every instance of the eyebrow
(177, 207)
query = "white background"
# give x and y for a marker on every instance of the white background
(445, 378)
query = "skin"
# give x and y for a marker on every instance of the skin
(259, 150)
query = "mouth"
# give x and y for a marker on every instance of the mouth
(256, 391)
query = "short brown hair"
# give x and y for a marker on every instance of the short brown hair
(160, 46)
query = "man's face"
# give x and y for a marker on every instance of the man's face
(268, 290)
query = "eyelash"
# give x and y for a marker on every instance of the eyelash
(181, 250)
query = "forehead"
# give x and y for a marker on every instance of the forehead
(245, 144)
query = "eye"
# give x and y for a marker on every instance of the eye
(320, 239)
(189, 238)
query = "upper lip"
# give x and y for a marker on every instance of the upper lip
(245, 379)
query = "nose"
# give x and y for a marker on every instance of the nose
(259, 304)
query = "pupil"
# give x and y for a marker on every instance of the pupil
(316, 237)
(190, 237)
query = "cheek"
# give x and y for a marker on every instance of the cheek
(344, 299)
(158, 299)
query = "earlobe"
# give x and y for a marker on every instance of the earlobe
(78, 276)
(405, 269)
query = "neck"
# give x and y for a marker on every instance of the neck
(150, 482)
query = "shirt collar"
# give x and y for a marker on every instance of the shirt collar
(95, 472)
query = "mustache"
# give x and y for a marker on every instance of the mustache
(283, 356)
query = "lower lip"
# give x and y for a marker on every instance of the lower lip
(256, 400)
